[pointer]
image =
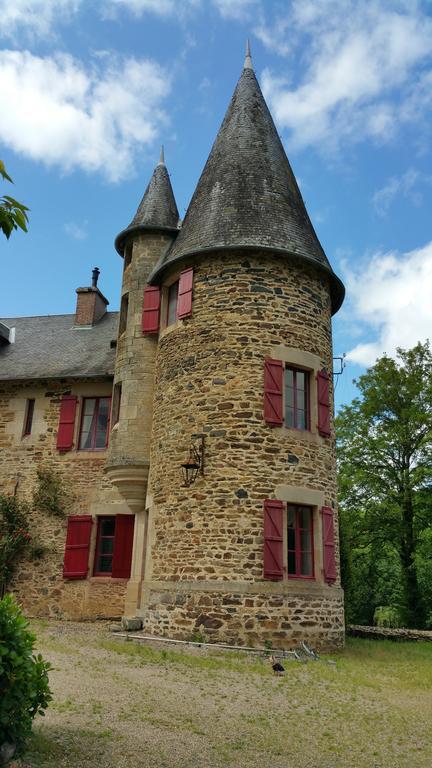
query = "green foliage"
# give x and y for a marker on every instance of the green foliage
(14, 536)
(197, 637)
(388, 616)
(24, 689)
(384, 441)
(51, 495)
(12, 213)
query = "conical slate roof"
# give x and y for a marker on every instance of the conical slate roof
(157, 209)
(247, 196)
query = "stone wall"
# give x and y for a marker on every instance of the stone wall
(39, 584)
(209, 380)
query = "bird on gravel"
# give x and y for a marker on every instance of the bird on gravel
(277, 668)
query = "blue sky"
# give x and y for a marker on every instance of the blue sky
(89, 91)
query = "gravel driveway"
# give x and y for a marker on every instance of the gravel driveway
(118, 704)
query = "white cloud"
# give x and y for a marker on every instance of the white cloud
(237, 10)
(405, 185)
(36, 17)
(163, 8)
(62, 114)
(359, 61)
(76, 231)
(391, 298)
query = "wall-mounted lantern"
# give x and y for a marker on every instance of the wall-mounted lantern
(194, 464)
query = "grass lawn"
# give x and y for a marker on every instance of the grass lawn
(118, 704)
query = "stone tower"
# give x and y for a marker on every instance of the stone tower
(142, 244)
(234, 358)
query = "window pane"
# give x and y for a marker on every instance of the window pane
(107, 546)
(87, 425)
(289, 377)
(102, 422)
(289, 417)
(304, 517)
(172, 303)
(291, 517)
(301, 420)
(306, 564)
(300, 400)
(300, 380)
(104, 564)
(107, 526)
(305, 541)
(291, 562)
(291, 538)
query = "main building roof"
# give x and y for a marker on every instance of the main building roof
(51, 347)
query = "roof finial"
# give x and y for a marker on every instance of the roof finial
(162, 156)
(248, 60)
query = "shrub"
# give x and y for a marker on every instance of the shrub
(24, 689)
(388, 616)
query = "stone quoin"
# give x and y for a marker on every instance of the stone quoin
(222, 346)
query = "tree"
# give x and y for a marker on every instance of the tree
(12, 213)
(384, 443)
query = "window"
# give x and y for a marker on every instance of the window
(123, 314)
(127, 255)
(104, 546)
(116, 403)
(297, 399)
(94, 423)
(28, 418)
(114, 542)
(300, 541)
(172, 303)
(287, 396)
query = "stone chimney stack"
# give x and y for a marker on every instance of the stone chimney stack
(91, 303)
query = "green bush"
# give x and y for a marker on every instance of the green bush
(388, 616)
(24, 689)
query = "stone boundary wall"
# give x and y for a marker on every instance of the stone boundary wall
(387, 633)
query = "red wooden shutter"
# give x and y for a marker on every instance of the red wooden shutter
(273, 391)
(151, 309)
(323, 383)
(66, 426)
(329, 556)
(123, 541)
(273, 539)
(77, 547)
(184, 301)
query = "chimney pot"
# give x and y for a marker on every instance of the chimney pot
(91, 303)
(95, 275)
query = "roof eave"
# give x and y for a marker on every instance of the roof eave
(59, 377)
(120, 241)
(337, 288)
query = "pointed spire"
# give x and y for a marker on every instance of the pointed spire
(247, 196)
(248, 60)
(157, 209)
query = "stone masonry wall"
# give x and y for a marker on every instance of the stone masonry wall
(39, 585)
(209, 379)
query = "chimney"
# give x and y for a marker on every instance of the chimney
(91, 303)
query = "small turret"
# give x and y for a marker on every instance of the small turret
(142, 244)
(156, 211)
